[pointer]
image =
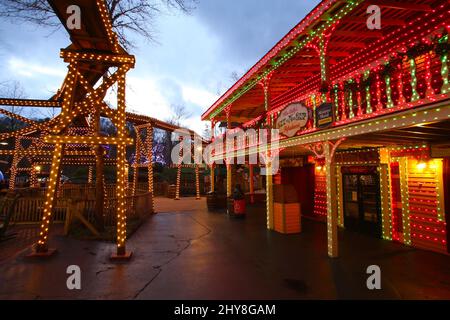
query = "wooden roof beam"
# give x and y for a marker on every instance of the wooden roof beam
(30, 103)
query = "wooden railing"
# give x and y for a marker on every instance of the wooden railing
(28, 210)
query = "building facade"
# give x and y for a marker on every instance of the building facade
(363, 118)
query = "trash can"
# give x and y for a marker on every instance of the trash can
(239, 207)
(236, 204)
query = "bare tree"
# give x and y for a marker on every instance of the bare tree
(234, 76)
(179, 113)
(207, 134)
(128, 16)
(13, 90)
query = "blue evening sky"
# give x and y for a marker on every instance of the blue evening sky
(190, 65)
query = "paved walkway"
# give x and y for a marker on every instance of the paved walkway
(186, 253)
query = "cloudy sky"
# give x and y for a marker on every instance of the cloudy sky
(191, 64)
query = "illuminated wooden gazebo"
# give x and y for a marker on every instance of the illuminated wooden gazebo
(97, 62)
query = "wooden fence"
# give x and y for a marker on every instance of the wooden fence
(28, 210)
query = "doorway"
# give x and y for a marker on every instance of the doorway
(362, 211)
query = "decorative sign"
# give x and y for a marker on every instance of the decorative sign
(292, 162)
(324, 115)
(292, 119)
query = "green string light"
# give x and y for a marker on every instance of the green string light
(368, 95)
(390, 103)
(415, 94)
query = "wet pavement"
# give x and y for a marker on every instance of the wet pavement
(184, 252)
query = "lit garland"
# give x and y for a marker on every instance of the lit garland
(385, 202)
(29, 103)
(350, 100)
(390, 103)
(197, 183)
(331, 202)
(336, 102)
(90, 174)
(415, 94)
(394, 121)
(69, 56)
(440, 202)
(149, 143)
(320, 190)
(403, 169)
(122, 176)
(339, 189)
(106, 19)
(444, 66)
(49, 200)
(368, 95)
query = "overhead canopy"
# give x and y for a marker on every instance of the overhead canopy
(293, 65)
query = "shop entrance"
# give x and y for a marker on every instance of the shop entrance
(362, 200)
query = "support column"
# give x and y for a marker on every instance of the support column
(137, 159)
(50, 199)
(121, 173)
(33, 176)
(90, 174)
(150, 166)
(228, 164)
(413, 70)
(229, 181)
(332, 219)
(212, 178)
(445, 68)
(15, 163)
(269, 195)
(99, 188)
(324, 66)
(252, 184)
(180, 161)
(197, 183)
(212, 187)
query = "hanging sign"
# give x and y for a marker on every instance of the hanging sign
(324, 115)
(292, 119)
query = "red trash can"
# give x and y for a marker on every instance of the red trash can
(239, 207)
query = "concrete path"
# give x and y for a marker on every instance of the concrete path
(184, 252)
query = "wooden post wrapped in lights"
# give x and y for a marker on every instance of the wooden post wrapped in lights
(149, 143)
(144, 147)
(79, 99)
(180, 165)
(197, 183)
